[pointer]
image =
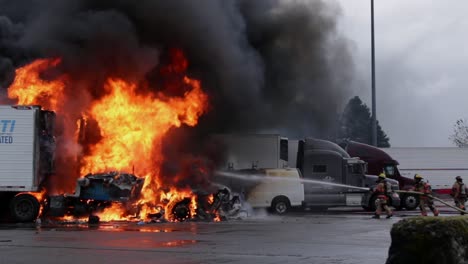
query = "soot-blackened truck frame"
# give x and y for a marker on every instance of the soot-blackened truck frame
(27, 147)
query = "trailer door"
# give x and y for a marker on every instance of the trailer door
(17, 148)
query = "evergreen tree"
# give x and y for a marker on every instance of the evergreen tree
(460, 134)
(356, 124)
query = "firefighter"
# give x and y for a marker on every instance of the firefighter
(424, 200)
(381, 191)
(459, 193)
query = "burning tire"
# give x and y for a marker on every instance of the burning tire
(24, 208)
(280, 205)
(410, 201)
(181, 210)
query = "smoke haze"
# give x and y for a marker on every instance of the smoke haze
(267, 65)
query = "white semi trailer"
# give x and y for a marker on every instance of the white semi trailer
(26, 157)
(250, 151)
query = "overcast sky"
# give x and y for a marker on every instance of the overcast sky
(421, 58)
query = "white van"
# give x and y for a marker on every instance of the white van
(275, 189)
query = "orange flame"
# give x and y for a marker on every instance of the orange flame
(133, 125)
(113, 213)
(29, 88)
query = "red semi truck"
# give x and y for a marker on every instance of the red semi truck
(379, 161)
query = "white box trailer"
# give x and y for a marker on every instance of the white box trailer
(19, 149)
(250, 151)
(26, 157)
(438, 165)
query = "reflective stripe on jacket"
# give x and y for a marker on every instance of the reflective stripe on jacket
(380, 190)
(423, 188)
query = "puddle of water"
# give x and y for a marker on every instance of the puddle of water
(147, 243)
(178, 243)
(149, 229)
(108, 227)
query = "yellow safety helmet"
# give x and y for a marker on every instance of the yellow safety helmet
(382, 175)
(417, 176)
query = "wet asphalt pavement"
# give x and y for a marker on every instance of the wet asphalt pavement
(340, 236)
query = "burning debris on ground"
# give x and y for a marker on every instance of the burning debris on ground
(115, 196)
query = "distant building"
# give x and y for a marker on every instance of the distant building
(438, 165)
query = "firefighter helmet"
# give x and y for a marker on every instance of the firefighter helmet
(418, 177)
(382, 176)
(458, 178)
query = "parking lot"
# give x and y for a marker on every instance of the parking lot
(341, 235)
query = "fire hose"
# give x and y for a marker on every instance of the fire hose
(432, 197)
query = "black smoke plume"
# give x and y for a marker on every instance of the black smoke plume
(268, 64)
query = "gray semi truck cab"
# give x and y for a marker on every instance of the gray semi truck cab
(324, 161)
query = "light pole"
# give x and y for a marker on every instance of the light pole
(374, 114)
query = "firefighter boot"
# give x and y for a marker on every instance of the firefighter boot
(389, 216)
(376, 216)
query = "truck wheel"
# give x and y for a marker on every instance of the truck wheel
(366, 208)
(372, 207)
(280, 205)
(410, 201)
(24, 208)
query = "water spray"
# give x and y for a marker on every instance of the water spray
(259, 177)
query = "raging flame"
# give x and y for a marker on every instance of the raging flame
(132, 122)
(133, 125)
(29, 88)
(113, 213)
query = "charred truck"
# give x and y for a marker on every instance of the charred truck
(379, 161)
(327, 176)
(27, 147)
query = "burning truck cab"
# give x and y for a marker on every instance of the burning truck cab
(96, 192)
